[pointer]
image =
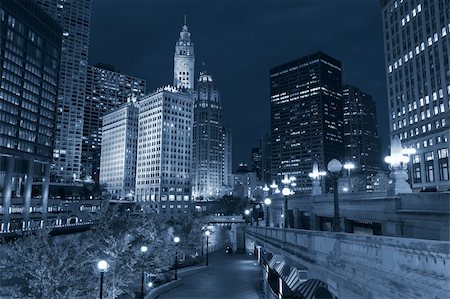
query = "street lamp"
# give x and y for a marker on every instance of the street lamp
(176, 240)
(102, 266)
(247, 213)
(207, 234)
(349, 166)
(143, 250)
(315, 175)
(335, 167)
(409, 151)
(267, 202)
(286, 191)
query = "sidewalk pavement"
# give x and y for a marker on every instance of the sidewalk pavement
(227, 276)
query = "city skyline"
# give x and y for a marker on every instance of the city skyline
(239, 43)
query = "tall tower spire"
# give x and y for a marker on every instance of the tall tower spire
(184, 60)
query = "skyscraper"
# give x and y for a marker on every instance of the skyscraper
(417, 59)
(184, 60)
(227, 176)
(207, 147)
(30, 45)
(257, 162)
(119, 151)
(362, 146)
(74, 17)
(106, 90)
(306, 116)
(164, 151)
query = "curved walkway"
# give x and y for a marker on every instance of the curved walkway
(228, 276)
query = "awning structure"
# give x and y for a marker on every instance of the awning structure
(308, 288)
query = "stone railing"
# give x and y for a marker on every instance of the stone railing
(417, 265)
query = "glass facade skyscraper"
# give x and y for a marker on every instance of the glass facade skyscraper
(30, 45)
(306, 116)
(74, 17)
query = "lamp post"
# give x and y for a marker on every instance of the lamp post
(335, 167)
(247, 213)
(143, 250)
(267, 202)
(207, 234)
(409, 151)
(286, 191)
(315, 175)
(102, 266)
(349, 166)
(176, 240)
(256, 212)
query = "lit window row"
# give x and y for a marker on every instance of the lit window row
(419, 48)
(414, 12)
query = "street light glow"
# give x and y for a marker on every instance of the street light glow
(144, 248)
(286, 191)
(102, 265)
(176, 239)
(265, 188)
(349, 165)
(267, 201)
(274, 185)
(334, 166)
(409, 151)
(247, 212)
(207, 233)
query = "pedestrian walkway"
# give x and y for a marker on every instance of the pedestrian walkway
(227, 276)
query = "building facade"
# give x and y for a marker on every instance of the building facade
(119, 151)
(207, 146)
(164, 151)
(106, 90)
(306, 117)
(74, 17)
(184, 61)
(227, 140)
(30, 45)
(256, 157)
(417, 56)
(362, 145)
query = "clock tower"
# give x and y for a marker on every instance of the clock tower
(184, 60)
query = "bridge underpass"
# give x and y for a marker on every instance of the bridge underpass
(350, 265)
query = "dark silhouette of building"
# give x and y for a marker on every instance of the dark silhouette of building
(306, 116)
(257, 162)
(30, 45)
(361, 141)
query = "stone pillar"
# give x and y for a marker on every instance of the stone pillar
(7, 190)
(44, 193)
(27, 193)
(314, 222)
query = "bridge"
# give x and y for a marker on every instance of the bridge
(348, 265)
(390, 247)
(217, 219)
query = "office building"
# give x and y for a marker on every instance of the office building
(30, 45)
(306, 117)
(227, 177)
(416, 44)
(119, 151)
(256, 157)
(74, 17)
(362, 146)
(106, 90)
(164, 151)
(207, 146)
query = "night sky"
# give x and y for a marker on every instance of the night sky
(239, 41)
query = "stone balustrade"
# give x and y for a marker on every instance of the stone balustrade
(364, 265)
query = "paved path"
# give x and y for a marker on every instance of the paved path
(228, 276)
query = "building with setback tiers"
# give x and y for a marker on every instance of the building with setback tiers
(106, 90)
(74, 17)
(417, 55)
(30, 45)
(306, 117)
(362, 146)
(207, 146)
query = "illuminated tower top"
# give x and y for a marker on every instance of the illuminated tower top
(184, 60)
